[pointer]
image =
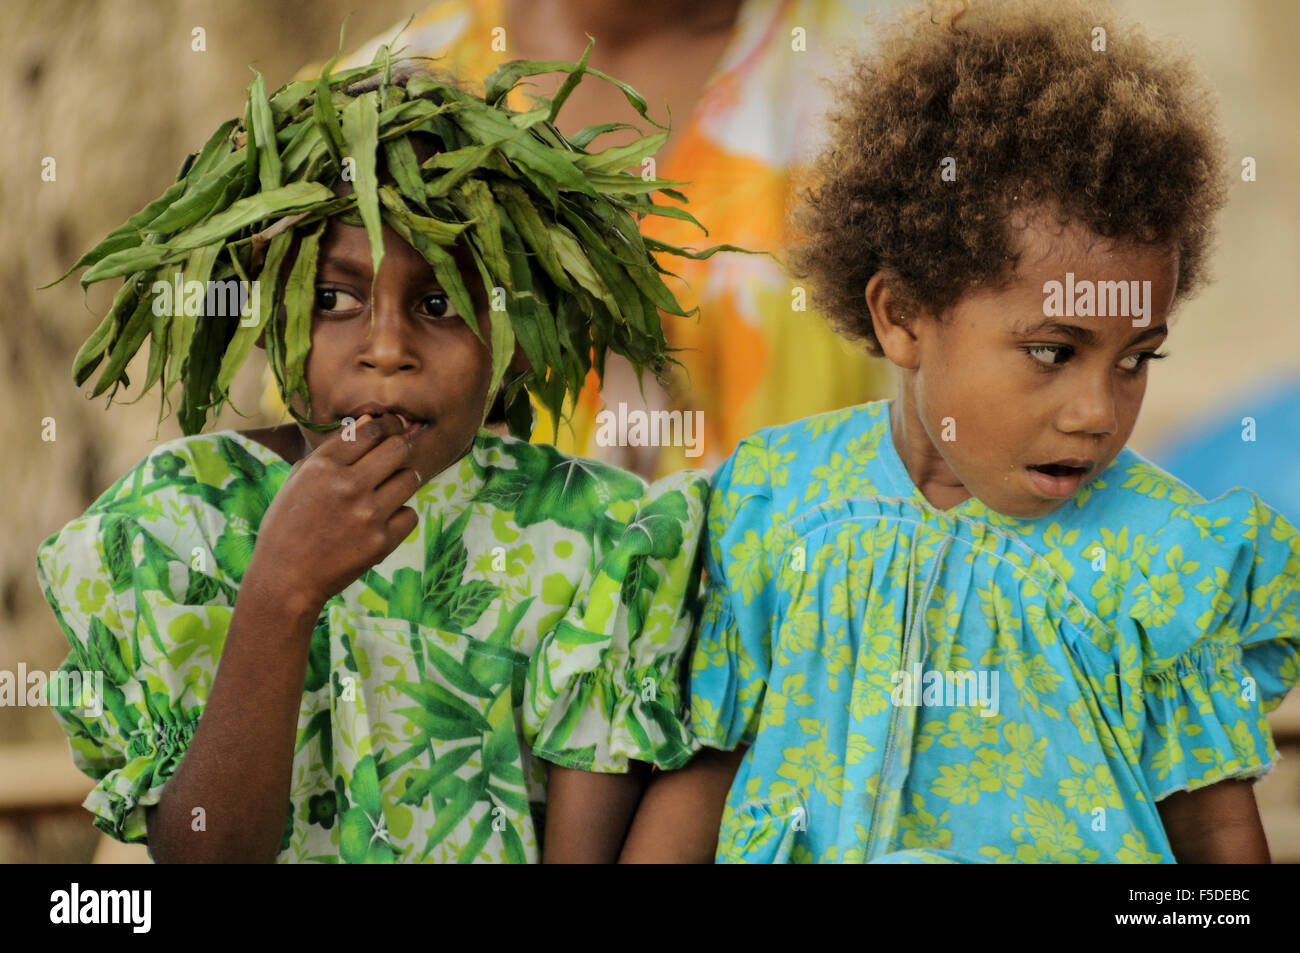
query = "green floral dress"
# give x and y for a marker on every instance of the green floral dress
(540, 610)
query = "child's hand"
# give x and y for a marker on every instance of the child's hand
(340, 512)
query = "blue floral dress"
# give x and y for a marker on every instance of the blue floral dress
(929, 685)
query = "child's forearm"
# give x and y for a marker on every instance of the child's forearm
(587, 814)
(238, 766)
(681, 812)
(1218, 824)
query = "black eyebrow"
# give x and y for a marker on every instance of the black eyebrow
(1083, 335)
(1080, 334)
(1150, 333)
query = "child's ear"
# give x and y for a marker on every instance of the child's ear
(893, 319)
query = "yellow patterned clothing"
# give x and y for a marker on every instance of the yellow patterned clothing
(751, 358)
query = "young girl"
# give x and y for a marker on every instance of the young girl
(381, 633)
(968, 624)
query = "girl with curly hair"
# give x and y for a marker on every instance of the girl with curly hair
(969, 624)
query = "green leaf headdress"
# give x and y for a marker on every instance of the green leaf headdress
(552, 224)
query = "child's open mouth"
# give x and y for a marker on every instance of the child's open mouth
(1059, 479)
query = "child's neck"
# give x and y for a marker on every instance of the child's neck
(927, 468)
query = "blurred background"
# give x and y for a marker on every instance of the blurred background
(116, 94)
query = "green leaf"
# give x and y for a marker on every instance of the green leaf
(446, 765)
(326, 119)
(450, 816)
(620, 157)
(355, 833)
(92, 351)
(263, 133)
(361, 139)
(575, 262)
(478, 838)
(584, 137)
(264, 306)
(201, 196)
(456, 673)
(442, 703)
(129, 261)
(218, 146)
(528, 223)
(514, 846)
(198, 268)
(365, 786)
(294, 197)
(476, 202)
(439, 232)
(503, 348)
(405, 168)
(458, 163)
(125, 345)
(299, 304)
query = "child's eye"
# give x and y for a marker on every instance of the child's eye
(438, 305)
(1050, 354)
(332, 299)
(1135, 362)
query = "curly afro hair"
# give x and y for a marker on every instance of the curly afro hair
(1122, 140)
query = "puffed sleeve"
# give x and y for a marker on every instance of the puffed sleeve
(1216, 610)
(732, 655)
(145, 628)
(604, 685)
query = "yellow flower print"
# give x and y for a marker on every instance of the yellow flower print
(749, 570)
(1020, 737)
(871, 695)
(841, 477)
(1082, 718)
(943, 619)
(1171, 737)
(1220, 765)
(838, 657)
(811, 767)
(704, 717)
(957, 784)
(967, 728)
(798, 633)
(1151, 482)
(857, 750)
(1052, 838)
(775, 703)
(849, 597)
(819, 424)
(1135, 850)
(996, 771)
(1042, 676)
(1090, 788)
(758, 463)
(923, 829)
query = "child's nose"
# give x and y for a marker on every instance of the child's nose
(1092, 408)
(388, 344)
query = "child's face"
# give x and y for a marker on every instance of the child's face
(419, 359)
(999, 388)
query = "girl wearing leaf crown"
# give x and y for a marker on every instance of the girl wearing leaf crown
(381, 633)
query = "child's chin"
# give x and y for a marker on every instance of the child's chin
(1027, 508)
